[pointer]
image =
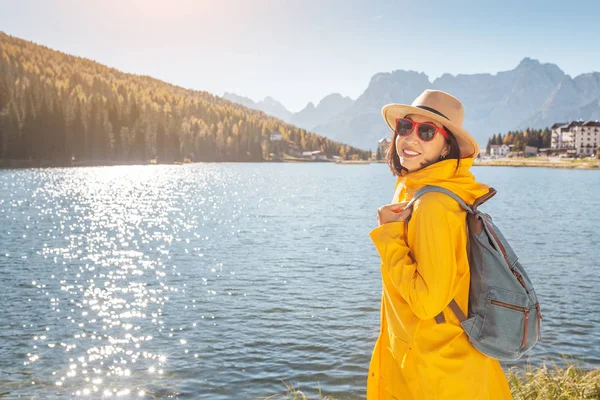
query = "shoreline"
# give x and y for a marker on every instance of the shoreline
(34, 164)
(501, 162)
(538, 163)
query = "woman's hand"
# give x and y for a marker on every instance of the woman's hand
(393, 213)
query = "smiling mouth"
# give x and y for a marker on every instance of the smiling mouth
(409, 153)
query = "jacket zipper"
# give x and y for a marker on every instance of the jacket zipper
(517, 308)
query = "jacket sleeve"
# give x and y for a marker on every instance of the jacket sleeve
(426, 274)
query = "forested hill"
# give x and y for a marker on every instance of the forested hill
(63, 109)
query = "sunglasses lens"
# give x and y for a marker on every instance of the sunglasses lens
(404, 127)
(426, 132)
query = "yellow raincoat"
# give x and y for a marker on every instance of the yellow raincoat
(422, 270)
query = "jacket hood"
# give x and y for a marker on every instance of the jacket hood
(443, 174)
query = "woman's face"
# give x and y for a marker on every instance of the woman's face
(415, 153)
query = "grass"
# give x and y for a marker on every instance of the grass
(530, 383)
(296, 394)
(554, 383)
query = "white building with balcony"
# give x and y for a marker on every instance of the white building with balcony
(588, 139)
(580, 137)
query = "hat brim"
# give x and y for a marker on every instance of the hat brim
(467, 144)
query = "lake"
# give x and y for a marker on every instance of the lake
(226, 281)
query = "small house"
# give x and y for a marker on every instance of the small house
(499, 150)
(316, 155)
(293, 150)
(275, 156)
(531, 151)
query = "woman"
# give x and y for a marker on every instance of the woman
(424, 263)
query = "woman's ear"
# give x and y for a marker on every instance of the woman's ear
(446, 150)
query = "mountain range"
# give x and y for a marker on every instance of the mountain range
(308, 118)
(533, 94)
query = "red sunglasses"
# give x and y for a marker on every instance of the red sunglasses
(425, 130)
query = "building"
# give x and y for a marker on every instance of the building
(382, 146)
(531, 151)
(276, 136)
(556, 138)
(275, 156)
(293, 150)
(499, 150)
(580, 137)
(556, 152)
(317, 155)
(588, 140)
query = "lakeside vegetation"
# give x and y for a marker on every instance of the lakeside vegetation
(542, 383)
(539, 138)
(58, 109)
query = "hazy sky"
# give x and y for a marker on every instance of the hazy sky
(301, 50)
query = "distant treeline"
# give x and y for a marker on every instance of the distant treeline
(539, 138)
(62, 108)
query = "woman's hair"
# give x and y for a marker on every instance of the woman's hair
(394, 161)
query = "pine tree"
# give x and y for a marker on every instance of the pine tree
(77, 134)
(139, 143)
(546, 138)
(59, 147)
(11, 131)
(4, 92)
(28, 147)
(161, 143)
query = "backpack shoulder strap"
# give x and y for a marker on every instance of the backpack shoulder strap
(439, 319)
(428, 189)
(480, 200)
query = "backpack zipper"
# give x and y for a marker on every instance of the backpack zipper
(539, 318)
(505, 255)
(517, 308)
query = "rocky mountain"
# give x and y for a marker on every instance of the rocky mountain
(330, 106)
(572, 99)
(362, 122)
(528, 95)
(533, 94)
(498, 103)
(308, 118)
(269, 106)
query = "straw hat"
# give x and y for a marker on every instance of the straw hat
(440, 107)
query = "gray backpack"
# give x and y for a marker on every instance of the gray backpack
(504, 315)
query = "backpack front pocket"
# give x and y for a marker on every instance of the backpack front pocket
(506, 320)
